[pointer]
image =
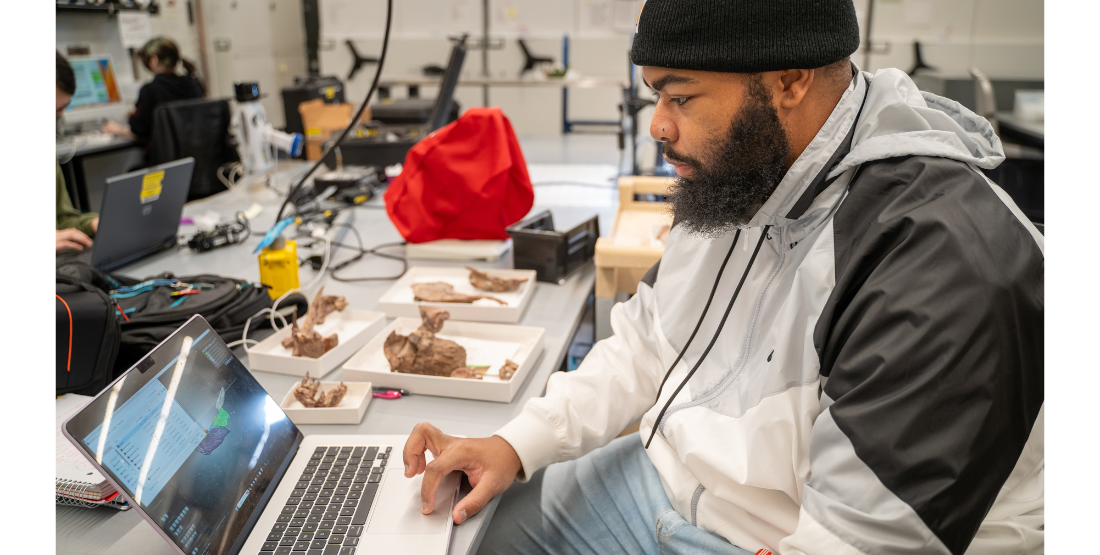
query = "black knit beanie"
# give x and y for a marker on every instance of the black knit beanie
(745, 36)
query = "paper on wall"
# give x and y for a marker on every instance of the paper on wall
(134, 28)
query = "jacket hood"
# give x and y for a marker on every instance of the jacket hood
(881, 115)
(900, 120)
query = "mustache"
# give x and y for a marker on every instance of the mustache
(673, 157)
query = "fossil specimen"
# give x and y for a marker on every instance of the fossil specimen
(304, 340)
(421, 352)
(508, 370)
(307, 394)
(486, 282)
(467, 373)
(439, 292)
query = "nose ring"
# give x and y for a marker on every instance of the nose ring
(662, 130)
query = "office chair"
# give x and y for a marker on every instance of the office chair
(985, 104)
(198, 128)
(1021, 172)
(530, 60)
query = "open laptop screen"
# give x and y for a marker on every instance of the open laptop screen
(192, 438)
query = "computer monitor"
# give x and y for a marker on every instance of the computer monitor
(96, 83)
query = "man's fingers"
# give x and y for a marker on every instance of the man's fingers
(413, 451)
(72, 236)
(473, 502)
(423, 437)
(445, 463)
(66, 244)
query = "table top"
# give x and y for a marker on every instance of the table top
(557, 308)
(1032, 128)
(84, 144)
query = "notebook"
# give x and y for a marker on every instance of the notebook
(78, 482)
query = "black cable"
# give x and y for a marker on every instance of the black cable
(404, 265)
(713, 339)
(706, 307)
(335, 267)
(354, 120)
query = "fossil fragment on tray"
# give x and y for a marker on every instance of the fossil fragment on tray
(421, 352)
(486, 282)
(467, 373)
(508, 370)
(307, 394)
(439, 292)
(305, 341)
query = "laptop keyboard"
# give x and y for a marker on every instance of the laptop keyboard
(328, 509)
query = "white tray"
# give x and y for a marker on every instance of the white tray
(349, 411)
(398, 301)
(355, 328)
(370, 363)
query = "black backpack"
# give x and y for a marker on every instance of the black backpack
(148, 317)
(87, 334)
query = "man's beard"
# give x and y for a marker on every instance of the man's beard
(742, 171)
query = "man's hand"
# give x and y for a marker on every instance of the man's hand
(118, 129)
(72, 239)
(95, 225)
(490, 463)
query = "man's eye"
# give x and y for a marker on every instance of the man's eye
(680, 100)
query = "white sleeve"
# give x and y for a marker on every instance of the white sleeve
(588, 407)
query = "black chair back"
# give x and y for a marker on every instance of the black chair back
(198, 128)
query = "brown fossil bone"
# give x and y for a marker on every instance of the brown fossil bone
(304, 340)
(508, 370)
(440, 292)
(486, 282)
(467, 373)
(306, 393)
(421, 352)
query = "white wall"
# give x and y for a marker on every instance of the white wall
(255, 40)
(598, 47)
(1003, 38)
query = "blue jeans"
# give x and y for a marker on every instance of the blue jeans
(608, 501)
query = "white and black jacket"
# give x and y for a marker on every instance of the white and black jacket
(877, 385)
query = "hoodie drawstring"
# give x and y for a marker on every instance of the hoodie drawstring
(714, 339)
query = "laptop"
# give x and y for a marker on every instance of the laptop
(202, 452)
(140, 215)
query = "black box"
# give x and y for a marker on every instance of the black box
(409, 111)
(329, 89)
(552, 254)
(371, 151)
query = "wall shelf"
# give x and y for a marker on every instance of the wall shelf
(110, 8)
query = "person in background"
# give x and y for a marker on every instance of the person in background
(160, 56)
(74, 228)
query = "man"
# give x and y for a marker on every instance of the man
(74, 228)
(841, 351)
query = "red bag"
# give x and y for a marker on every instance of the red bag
(467, 180)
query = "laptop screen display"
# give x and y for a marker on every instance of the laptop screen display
(191, 437)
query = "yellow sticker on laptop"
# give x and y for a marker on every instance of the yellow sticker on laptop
(151, 186)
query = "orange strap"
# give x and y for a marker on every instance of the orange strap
(69, 361)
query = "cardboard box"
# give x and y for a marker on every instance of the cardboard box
(623, 258)
(321, 120)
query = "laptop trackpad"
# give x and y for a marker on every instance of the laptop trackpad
(397, 508)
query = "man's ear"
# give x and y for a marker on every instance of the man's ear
(789, 86)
